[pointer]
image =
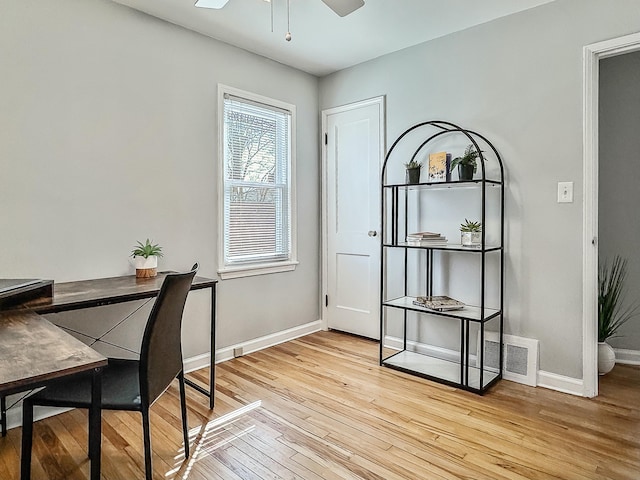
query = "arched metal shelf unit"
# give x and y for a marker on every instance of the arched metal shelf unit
(472, 366)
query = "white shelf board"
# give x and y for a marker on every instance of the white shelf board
(469, 312)
(438, 368)
(449, 246)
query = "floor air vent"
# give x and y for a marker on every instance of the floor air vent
(520, 357)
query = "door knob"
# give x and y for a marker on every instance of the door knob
(372, 233)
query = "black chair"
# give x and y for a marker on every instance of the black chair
(132, 385)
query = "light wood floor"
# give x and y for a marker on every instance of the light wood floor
(321, 408)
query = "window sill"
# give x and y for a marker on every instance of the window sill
(256, 269)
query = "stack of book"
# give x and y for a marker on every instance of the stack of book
(439, 303)
(426, 239)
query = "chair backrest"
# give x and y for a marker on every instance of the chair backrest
(161, 353)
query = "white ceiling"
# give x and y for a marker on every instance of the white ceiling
(322, 41)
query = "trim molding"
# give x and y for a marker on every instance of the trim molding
(591, 58)
(561, 383)
(260, 343)
(627, 357)
(552, 381)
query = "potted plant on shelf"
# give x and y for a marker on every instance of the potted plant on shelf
(145, 257)
(470, 233)
(467, 164)
(413, 171)
(612, 313)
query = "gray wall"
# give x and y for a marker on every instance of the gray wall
(518, 80)
(619, 176)
(108, 135)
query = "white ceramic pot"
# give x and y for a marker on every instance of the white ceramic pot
(470, 239)
(143, 263)
(606, 358)
(146, 267)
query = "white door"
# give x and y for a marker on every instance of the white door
(353, 153)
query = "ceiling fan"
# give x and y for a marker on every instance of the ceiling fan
(340, 7)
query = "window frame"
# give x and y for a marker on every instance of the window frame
(226, 271)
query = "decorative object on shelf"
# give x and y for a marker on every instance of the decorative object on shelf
(426, 239)
(439, 303)
(145, 257)
(612, 313)
(470, 233)
(467, 164)
(439, 167)
(413, 171)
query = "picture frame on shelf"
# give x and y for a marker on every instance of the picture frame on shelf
(439, 170)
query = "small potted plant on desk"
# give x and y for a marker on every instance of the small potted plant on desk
(467, 164)
(413, 171)
(145, 257)
(470, 233)
(612, 314)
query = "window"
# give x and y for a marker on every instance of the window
(258, 228)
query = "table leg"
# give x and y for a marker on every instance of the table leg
(212, 364)
(3, 415)
(212, 361)
(95, 423)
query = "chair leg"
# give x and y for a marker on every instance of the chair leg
(146, 429)
(27, 440)
(183, 407)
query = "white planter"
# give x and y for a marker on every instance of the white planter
(606, 358)
(144, 263)
(146, 267)
(470, 239)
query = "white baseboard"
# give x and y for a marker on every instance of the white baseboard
(561, 383)
(260, 343)
(552, 381)
(431, 350)
(14, 415)
(627, 357)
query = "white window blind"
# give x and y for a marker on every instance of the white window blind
(256, 183)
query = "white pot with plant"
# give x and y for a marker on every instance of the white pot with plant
(470, 233)
(612, 311)
(145, 258)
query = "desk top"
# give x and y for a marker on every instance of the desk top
(34, 351)
(104, 291)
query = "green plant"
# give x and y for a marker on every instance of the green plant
(146, 250)
(611, 312)
(413, 164)
(469, 226)
(469, 157)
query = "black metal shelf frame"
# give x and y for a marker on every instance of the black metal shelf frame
(473, 378)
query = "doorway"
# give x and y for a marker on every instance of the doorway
(592, 56)
(352, 151)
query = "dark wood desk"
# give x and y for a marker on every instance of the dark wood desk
(106, 291)
(35, 352)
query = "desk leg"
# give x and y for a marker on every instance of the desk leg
(211, 393)
(212, 364)
(3, 415)
(95, 423)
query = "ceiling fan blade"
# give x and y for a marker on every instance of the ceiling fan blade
(344, 7)
(211, 3)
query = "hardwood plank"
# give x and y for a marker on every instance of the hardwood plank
(320, 407)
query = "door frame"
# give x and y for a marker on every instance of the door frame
(591, 60)
(381, 103)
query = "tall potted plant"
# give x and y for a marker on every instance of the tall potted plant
(612, 312)
(145, 256)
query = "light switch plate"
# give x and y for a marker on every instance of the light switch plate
(565, 192)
